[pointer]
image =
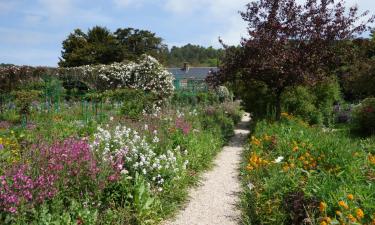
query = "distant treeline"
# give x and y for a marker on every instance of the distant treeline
(195, 55)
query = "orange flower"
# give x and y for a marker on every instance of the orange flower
(343, 204)
(360, 214)
(322, 206)
(350, 196)
(295, 148)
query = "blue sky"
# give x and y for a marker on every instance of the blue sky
(31, 31)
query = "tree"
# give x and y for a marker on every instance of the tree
(291, 44)
(137, 42)
(100, 46)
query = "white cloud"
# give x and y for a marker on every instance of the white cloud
(57, 7)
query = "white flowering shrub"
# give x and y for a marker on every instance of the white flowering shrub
(223, 93)
(146, 74)
(138, 154)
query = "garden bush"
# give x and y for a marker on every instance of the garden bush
(364, 117)
(136, 102)
(147, 74)
(183, 97)
(301, 102)
(313, 104)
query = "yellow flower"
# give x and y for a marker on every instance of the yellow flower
(249, 167)
(322, 206)
(350, 196)
(295, 148)
(255, 141)
(352, 218)
(323, 223)
(371, 158)
(328, 219)
(343, 204)
(338, 213)
(360, 214)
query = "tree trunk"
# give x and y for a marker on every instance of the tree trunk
(278, 105)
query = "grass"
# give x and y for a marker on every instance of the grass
(295, 174)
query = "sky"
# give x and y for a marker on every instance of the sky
(31, 31)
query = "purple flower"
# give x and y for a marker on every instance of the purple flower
(1, 146)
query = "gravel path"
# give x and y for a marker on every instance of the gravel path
(214, 202)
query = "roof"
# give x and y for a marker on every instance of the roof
(199, 73)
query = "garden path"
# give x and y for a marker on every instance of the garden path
(215, 201)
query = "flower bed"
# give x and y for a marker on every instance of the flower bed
(65, 171)
(296, 174)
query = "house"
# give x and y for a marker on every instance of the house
(190, 77)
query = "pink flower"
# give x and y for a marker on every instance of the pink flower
(12, 210)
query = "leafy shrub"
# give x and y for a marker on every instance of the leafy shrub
(301, 102)
(364, 117)
(135, 102)
(313, 104)
(24, 100)
(326, 94)
(208, 98)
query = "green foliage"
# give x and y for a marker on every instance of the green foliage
(364, 117)
(301, 102)
(313, 104)
(182, 97)
(135, 42)
(135, 102)
(256, 98)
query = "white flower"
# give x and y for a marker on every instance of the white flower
(279, 159)
(250, 186)
(111, 118)
(124, 172)
(156, 139)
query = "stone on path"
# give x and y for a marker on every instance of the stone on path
(215, 201)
